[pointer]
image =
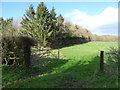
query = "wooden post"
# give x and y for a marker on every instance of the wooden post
(27, 54)
(101, 60)
(58, 53)
(47, 53)
(42, 51)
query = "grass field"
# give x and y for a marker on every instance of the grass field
(78, 67)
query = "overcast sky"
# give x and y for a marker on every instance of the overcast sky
(99, 17)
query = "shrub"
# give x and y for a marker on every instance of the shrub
(115, 53)
(16, 50)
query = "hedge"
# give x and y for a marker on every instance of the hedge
(16, 50)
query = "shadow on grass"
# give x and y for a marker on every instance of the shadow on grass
(46, 65)
(75, 76)
(82, 74)
(12, 74)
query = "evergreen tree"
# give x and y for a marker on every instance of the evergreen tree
(27, 23)
(60, 20)
(60, 28)
(36, 24)
(53, 26)
(60, 25)
(42, 18)
(42, 25)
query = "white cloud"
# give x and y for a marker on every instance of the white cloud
(104, 23)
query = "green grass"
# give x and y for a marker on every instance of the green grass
(77, 67)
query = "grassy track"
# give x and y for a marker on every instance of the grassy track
(77, 67)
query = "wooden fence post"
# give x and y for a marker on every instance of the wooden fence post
(58, 54)
(101, 60)
(27, 54)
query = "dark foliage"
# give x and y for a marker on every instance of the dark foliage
(16, 50)
(114, 53)
(69, 41)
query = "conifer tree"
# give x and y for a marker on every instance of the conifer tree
(27, 23)
(60, 28)
(36, 24)
(53, 26)
(42, 17)
(42, 24)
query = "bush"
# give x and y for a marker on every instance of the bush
(16, 50)
(115, 53)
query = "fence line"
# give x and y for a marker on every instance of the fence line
(45, 52)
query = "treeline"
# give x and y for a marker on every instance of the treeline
(44, 26)
(50, 30)
(78, 31)
(105, 38)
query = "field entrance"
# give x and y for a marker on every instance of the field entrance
(43, 53)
